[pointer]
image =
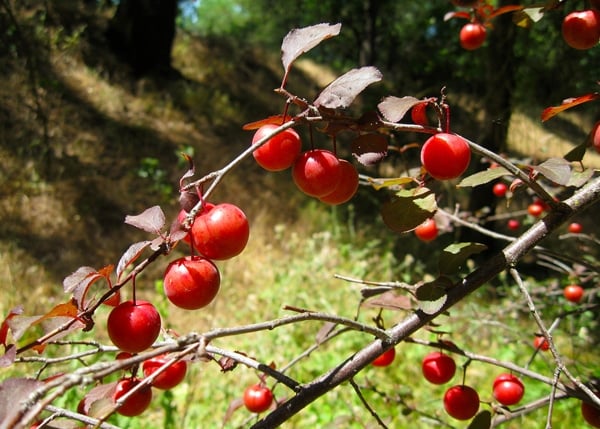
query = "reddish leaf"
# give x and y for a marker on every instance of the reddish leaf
(275, 120)
(558, 170)
(134, 252)
(19, 324)
(464, 15)
(394, 108)
(99, 400)
(13, 392)
(550, 112)
(74, 280)
(369, 149)
(190, 171)
(4, 327)
(301, 40)
(9, 356)
(341, 92)
(150, 220)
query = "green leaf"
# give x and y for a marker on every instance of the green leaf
(580, 178)
(483, 420)
(558, 170)
(482, 177)
(455, 255)
(409, 209)
(432, 296)
(386, 183)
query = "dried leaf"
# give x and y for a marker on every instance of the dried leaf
(341, 92)
(369, 149)
(324, 332)
(394, 108)
(301, 40)
(131, 254)
(13, 392)
(482, 177)
(150, 220)
(558, 170)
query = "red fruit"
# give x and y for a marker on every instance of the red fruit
(258, 398)
(461, 402)
(595, 136)
(445, 156)
(385, 358)
(508, 389)
(541, 343)
(535, 209)
(191, 282)
(317, 172)
(472, 36)
(591, 414)
(500, 189)
(513, 224)
(438, 367)
(581, 29)
(137, 403)
(220, 232)
(575, 228)
(170, 377)
(347, 186)
(427, 231)
(280, 151)
(573, 293)
(418, 114)
(133, 327)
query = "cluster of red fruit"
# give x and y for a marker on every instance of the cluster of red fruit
(318, 173)
(169, 377)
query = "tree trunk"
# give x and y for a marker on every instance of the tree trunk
(141, 33)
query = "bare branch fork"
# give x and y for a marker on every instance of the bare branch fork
(506, 259)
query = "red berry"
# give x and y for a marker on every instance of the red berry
(221, 232)
(280, 152)
(508, 389)
(317, 172)
(347, 186)
(573, 293)
(513, 224)
(170, 377)
(133, 327)
(575, 228)
(500, 189)
(427, 231)
(591, 414)
(541, 343)
(445, 156)
(135, 404)
(472, 36)
(258, 398)
(535, 209)
(418, 114)
(581, 29)
(595, 136)
(191, 282)
(461, 402)
(438, 367)
(385, 358)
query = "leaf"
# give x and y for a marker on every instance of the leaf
(74, 280)
(275, 120)
(580, 178)
(378, 183)
(66, 309)
(394, 108)
(432, 296)
(526, 17)
(369, 149)
(234, 405)
(557, 170)
(133, 252)
(190, 171)
(98, 401)
(324, 332)
(408, 209)
(456, 254)
(341, 92)
(482, 177)
(9, 356)
(13, 392)
(390, 300)
(150, 220)
(4, 327)
(550, 112)
(301, 40)
(483, 420)
(461, 14)
(577, 153)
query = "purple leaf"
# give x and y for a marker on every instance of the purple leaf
(73, 280)
(394, 108)
(9, 356)
(150, 220)
(557, 170)
(134, 252)
(301, 40)
(341, 92)
(369, 149)
(13, 392)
